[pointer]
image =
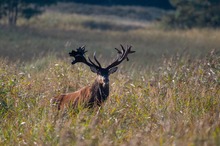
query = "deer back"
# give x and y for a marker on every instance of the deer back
(73, 99)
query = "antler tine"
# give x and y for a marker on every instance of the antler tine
(96, 60)
(92, 62)
(123, 54)
(97, 66)
(83, 47)
(129, 49)
(119, 51)
(123, 49)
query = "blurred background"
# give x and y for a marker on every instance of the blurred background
(33, 29)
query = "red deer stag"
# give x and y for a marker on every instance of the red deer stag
(97, 93)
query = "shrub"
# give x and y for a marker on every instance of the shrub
(197, 13)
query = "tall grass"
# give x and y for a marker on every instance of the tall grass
(59, 33)
(174, 102)
(177, 103)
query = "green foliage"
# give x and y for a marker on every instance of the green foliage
(194, 13)
(13, 9)
(175, 103)
(148, 3)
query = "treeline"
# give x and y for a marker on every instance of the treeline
(186, 14)
(164, 4)
(12, 9)
(194, 13)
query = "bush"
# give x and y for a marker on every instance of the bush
(197, 13)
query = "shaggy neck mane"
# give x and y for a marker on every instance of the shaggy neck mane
(99, 93)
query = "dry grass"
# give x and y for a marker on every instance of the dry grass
(59, 33)
(174, 104)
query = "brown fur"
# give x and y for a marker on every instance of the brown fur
(88, 96)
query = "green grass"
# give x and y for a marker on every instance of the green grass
(176, 103)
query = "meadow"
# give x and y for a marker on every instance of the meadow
(167, 94)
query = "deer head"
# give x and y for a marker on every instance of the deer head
(102, 73)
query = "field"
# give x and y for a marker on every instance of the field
(167, 94)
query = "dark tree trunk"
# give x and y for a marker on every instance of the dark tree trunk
(12, 13)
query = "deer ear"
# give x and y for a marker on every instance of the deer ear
(112, 70)
(93, 69)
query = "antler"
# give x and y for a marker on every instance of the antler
(122, 55)
(80, 52)
(79, 57)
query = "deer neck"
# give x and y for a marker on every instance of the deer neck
(99, 92)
